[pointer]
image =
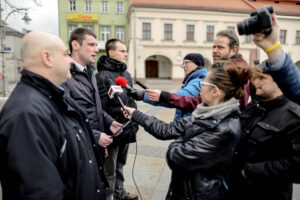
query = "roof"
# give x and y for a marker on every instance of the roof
(283, 7)
(12, 32)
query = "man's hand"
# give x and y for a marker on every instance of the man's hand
(138, 95)
(264, 41)
(104, 140)
(153, 95)
(115, 126)
(267, 41)
(129, 111)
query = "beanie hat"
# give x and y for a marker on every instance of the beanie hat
(196, 58)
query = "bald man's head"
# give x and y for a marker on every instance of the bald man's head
(34, 43)
(46, 54)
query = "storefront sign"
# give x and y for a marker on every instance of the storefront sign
(82, 17)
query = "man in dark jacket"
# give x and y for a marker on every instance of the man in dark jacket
(111, 67)
(47, 149)
(83, 85)
(268, 159)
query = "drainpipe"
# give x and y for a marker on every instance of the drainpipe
(134, 43)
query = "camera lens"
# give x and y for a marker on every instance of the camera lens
(240, 27)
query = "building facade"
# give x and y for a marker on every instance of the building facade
(163, 32)
(12, 56)
(107, 18)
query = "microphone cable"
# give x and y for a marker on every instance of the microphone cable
(132, 171)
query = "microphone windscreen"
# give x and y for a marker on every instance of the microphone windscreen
(121, 81)
(109, 82)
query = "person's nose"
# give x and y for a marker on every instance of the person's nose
(215, 49)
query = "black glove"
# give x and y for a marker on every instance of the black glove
(138, 95)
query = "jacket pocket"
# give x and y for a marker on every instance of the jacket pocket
(264, 132)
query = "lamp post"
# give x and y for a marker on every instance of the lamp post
(3, 33)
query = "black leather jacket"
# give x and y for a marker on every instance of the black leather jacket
(270, 151)
(47, 148)
(199, 155)
(112, 69)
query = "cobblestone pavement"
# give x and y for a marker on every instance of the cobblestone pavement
(151, 172)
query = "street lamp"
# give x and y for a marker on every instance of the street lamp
(2, 27)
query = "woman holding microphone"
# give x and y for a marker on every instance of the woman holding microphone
(204, 142)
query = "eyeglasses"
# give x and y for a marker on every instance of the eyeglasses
(208, 84)
(185, 63)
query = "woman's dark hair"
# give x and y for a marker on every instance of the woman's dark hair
(230, 78)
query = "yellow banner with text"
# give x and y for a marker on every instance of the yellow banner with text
(82, 17)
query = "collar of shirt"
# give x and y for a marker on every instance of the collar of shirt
(79, 66)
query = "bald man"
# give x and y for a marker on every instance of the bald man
(47, 149)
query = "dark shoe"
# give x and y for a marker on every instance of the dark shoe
(129, 196)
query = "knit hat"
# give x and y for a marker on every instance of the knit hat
(196, 58)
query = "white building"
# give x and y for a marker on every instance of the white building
(163, 32)
(12, 57)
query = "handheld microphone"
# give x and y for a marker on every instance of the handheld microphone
(115, 91)
(123, 83)
(141, 84)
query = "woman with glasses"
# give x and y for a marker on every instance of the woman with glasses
(193, 66)
(204, 142)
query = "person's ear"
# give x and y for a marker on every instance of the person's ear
(46, 58)
(216, 92)
(111, 53)
(75, 45)
(233, 51)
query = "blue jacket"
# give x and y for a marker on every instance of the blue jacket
(287, 76)
(190, 88)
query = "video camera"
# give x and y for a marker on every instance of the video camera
(259, 22)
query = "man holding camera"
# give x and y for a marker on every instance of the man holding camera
(267, 161)
(279, 64)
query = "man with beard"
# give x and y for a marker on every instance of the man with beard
(225, 47)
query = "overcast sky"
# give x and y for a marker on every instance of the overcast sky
(44, 18)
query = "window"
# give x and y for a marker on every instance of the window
(120, 7)
(168, 31)
(146, 31)
(104, 7)
(282, 36)
(210, 33)
(104, 33)
(230, 28)
(190, 32)
(297, 37)
(248, 39)
(71, 28)
(89, 27)
(88, 6)
(72, 5)
(120, 33)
